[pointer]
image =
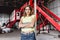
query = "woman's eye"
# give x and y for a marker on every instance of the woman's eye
(27, 9)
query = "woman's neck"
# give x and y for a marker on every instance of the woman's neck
(27, 15)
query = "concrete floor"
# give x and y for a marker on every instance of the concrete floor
(10, 36)
(53, 35)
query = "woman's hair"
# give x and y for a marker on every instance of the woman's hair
(31, 11)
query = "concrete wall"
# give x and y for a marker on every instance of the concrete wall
(55, 7)
(3, 18)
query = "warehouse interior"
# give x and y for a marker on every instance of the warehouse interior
(48, 18)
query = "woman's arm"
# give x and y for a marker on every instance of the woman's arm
(28, 24)
(21, 24)
(32, 23)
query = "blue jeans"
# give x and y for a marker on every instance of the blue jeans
(30, 36)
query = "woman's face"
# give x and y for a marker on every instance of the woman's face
(27, 10)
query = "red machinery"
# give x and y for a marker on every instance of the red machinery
(43, 13)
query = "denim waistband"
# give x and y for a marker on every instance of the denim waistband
(27, 33)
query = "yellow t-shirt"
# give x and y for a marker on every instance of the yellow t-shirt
(26, 20)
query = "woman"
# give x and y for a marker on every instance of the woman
(27, 24)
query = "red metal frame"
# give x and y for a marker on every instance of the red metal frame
(12, 22)
(43, 13)
(41, 24)
(56, 25)
(21, 9)
(31, 3)
(51, 13)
